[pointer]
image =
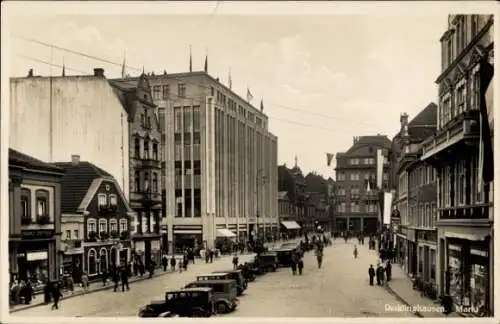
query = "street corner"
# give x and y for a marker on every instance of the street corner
(424, 310)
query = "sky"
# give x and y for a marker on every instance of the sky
(323, 78)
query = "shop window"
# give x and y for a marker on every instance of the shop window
(26, 206)
(92, 262)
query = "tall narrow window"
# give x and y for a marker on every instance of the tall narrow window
(146, 149)
(137, 148)
(113, 201)
(102, 201)
(155, 151)
(166, 91)
(137, 181)
(26, 218)
(181, 89)
(42, 208)
(155, 182)
(146, 182)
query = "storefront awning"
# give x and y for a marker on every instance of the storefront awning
(467, 236)
(291, 225)
(224, 232)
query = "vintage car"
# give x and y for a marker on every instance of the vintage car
(191, 302)
(267, 261)
(247, 271)
(236, 275)
(224, 293)
(284, 256)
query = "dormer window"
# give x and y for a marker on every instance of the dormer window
(113, 200)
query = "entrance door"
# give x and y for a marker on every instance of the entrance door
(147, 252)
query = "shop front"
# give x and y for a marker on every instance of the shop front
(144, 251)
(37, 261)
(340, 224)
(468, 274)
(290, 229)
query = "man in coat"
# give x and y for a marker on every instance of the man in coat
(371, 274)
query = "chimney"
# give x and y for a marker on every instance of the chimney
(75, 159)
(30, 73)
(403, 119)
(99, 72)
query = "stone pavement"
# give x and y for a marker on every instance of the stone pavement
(402, 288)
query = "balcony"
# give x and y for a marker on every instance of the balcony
(149, 163)
(480, 211)
(462, 129)
(146, 196)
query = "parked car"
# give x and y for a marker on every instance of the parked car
(247, 271)
(236, 275)
(284, 256)
(267, 261)
(190, 302)
(224, 293)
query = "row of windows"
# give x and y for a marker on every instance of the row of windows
(187, 119)
(41, 204)
(189, 205)
(145, 149)
(466, 27)
(459, 183)
(147, 223)
(75, 236)
(105, 200)
(355, 176)
(163, 91)
(103, 225)
(143, 179)
(355, 207)
(357, 161)
(465, 96)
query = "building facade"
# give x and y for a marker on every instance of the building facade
(52, 116)
(465, 204)
(92, 196)
(220, 162)
(292, 182)
(34, 219)
(357, 199)
(416, 238)
(144, 166)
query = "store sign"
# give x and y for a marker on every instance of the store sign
(36, 256)
(38, 234)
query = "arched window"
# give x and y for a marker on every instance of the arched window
(103, 260)
(92, 262)
(91, 226)
(103, 225)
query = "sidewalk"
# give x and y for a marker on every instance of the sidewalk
(401, 287)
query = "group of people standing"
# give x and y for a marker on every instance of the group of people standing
(383, 273)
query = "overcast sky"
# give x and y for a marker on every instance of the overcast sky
(350, 75)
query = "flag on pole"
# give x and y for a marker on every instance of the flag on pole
(261, 104)
(230, 81)
(485, 163)
(329, 158)
(249, 95)
(190, 59)
(380, 168)
(123, 68)
(206, 64)
(64, 69)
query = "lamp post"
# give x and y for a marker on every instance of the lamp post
(260, 179)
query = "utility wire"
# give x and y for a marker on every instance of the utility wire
(48, 63)
(173, 78)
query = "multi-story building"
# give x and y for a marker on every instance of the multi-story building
(144, 166)
(357, 198)
(292, 182)
(92, 196)
(416, 239)
(287, 218)
(220, 161)
(465, 204)
(52, 116)
(34, 219)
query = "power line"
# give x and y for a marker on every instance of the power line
(48, 63)
(180, 80)
(305, 125)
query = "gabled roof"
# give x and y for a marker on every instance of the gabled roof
(424, 124)
(77, 181)
(19, 159)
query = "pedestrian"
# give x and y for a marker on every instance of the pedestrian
(124, 278)
(319, 256)
(164, 262)
(172, 263)
(378, 274)
(355, 252)
(28, 292)
(293, 265)
(185, 262)
(371, 274)
(207, 255)
(235, 261)
(56, 295)
(47, 291)
(116, 278)
(211, 255)
(300, 266)
(388, 270)
(104, 277)
(382, 274)
(85, 282)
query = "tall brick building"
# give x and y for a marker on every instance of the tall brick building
(357, 200)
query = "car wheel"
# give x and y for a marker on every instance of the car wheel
(221, 308)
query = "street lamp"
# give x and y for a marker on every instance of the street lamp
(260, 179)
